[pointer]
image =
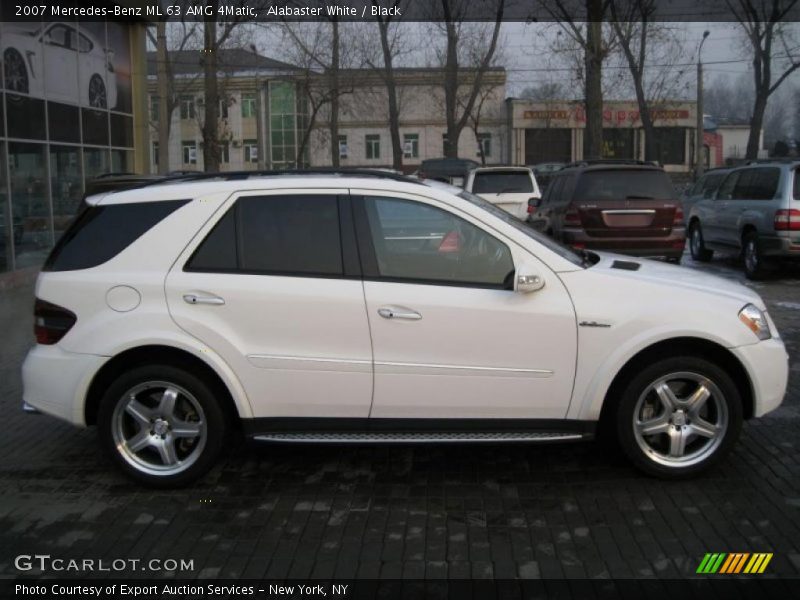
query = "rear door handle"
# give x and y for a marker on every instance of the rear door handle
(201, 299)
(395, 312)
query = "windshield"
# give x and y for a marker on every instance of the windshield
(501, 182)
(621, 184)
(573, 256)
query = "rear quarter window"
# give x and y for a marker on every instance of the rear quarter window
(99, 233)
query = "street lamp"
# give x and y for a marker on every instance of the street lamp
(698, 148)
(259, 120)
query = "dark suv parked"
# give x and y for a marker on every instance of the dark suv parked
(619, 206)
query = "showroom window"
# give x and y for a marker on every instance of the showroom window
(373, 145)
(410, 145)
(189, 153)
(277, 235)
(420, 243)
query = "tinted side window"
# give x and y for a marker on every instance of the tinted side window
(555, 190)
(765, 185)
(744, 188)
(569, 187)
(421, 243)
(99, 233)
(710, 184)
(726, 189)
(292, 235)
(218, 251)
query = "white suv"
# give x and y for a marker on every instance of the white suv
(368, 307)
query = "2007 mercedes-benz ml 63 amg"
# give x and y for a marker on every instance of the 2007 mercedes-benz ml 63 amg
(370, 307)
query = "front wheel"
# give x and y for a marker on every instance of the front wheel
(697, 245)
(161, 425)
(678, 417)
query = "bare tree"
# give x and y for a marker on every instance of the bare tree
(774, 46)
(471, 41)
(638, 37)
(477, 115)
(589, 37)
(391, 47)
(170, 43)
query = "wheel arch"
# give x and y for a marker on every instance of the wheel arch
(158, 355)
(680, 346)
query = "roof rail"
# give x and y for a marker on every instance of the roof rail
(781, 159)
(242, 175)
(611, 161)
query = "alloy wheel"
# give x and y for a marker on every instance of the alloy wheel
(16, 75)
(751, 258)
(159, 428)
(680, 419)
(97, 92)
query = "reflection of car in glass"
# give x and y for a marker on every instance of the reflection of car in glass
(75, 65)
(510, 188)
(314, 307)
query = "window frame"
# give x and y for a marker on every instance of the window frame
(351, 265)
(372, 146)
(413, 139)
(188, 145)
(369, 259)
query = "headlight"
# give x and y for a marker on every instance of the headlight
(756, 321)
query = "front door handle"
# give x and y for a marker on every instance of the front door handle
(201, 299)
(395, 312)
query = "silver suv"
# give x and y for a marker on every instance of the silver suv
(755, 210)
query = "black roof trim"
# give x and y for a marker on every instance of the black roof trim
(243, 175)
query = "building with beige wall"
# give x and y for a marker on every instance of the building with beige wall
(364, 136)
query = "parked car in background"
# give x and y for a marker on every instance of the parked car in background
(510, 188)
(76, 64)
(704, 187)
(397, 311)
(449, 170)
(544, 173)
(621, 206)
(755, 211)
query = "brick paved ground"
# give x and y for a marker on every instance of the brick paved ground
(321, 511)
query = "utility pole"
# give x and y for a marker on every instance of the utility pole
(698, 147)
(259, 118)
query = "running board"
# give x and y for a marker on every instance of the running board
(388, 437)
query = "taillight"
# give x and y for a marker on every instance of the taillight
(572, 218)
(533, 204)
(787, 219)
(51, 322)
(677, 221)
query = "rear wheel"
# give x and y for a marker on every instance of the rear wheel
(754, 263)
(16, 74)
(678, 417)
(161, 425)
(697, 245)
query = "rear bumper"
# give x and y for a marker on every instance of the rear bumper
(64, 395)
(767, 365)
(668, 246)
(780, 246)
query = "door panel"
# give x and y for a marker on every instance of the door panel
(300, 344)
(451, 349)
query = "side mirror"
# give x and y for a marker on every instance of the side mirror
(527, 279)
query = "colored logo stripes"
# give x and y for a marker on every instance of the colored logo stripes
(734, 563)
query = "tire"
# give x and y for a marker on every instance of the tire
(97, 92)
(697, 244)
(140, 415)
(755, 266)
(675, 449)
(15, 72)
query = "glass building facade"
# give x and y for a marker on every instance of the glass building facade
(66, 116)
